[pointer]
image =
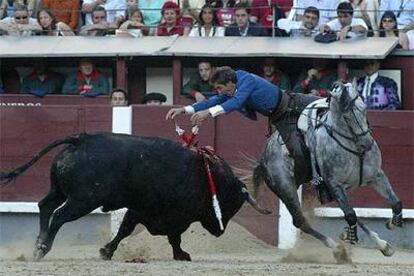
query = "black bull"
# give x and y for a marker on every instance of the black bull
(163, 185)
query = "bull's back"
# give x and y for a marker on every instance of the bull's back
(154, 174)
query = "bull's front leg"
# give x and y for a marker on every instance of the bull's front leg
(179, 254)
(127, 226)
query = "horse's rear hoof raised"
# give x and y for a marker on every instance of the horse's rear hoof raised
(38, 254)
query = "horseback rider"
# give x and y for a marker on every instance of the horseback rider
(250, 94)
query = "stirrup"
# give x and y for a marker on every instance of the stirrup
(350, 235)
(316, 180)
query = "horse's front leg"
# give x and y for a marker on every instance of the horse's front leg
(350, 235)
(383, 187)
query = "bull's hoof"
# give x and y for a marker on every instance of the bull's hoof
(341, 255)
(39, 252)
(388, 251)
(183, 256)
(105, 254)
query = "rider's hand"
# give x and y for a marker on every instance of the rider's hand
(199, 97)
(200, 116)
(173, 112)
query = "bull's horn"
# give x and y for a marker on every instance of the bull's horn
(254, 203)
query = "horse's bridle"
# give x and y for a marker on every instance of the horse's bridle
(359, 152)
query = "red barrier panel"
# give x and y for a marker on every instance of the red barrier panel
(30, 100)
(24, 131)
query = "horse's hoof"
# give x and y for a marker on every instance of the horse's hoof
(388, 251)
(390, 225)
(105, 254)
(341, 255)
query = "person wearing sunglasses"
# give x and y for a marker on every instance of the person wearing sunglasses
(20, 24)
(388, 28)
(403, 10)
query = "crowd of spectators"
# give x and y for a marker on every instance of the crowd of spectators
(198, 18)
(135, 18)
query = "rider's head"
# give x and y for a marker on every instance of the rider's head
(224, 80)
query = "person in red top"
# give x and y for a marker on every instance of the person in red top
(66, 11)
(172, 22)
(262, 12)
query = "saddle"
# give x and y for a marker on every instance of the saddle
(312, 114)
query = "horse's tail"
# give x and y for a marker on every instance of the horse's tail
(259, 176)
(7, 177)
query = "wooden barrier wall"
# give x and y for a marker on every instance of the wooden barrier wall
(25, 130)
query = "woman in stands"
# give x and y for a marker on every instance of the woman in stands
(134, 25)
(208, 23)
(388, 28)
(172, 23)
(47, 21)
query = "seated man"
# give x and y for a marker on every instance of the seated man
(345, 25)
(99, 26)
(326, 7)
(317, 80)
(20, 24)
(308, 26)
(379, 92)
(87, 81)
(119, 97)
(42, 81)
(154, 98)
(115, 10)
(243, 26)
(274, 75)
(199, 87)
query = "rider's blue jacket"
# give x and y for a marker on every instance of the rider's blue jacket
(253, 94)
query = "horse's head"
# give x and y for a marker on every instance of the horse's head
(346, 97)
(347, 104)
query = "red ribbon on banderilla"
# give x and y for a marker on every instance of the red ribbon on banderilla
(188, 140)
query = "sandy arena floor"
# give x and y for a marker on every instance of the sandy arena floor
(237, 252)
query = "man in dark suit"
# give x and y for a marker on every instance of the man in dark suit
(243, 26)
(379, 92)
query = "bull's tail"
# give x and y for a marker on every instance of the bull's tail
(259, 176)
(7, 177)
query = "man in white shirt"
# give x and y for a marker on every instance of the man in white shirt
(327, 9)
(345, 25)
(115, 9)
(307, 27)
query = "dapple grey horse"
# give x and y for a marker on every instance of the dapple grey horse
(345, 154)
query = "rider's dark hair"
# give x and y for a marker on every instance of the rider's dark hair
(223, 75)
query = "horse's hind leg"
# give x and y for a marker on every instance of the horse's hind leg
(290, 199)
(383, 187)
(128, 224)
